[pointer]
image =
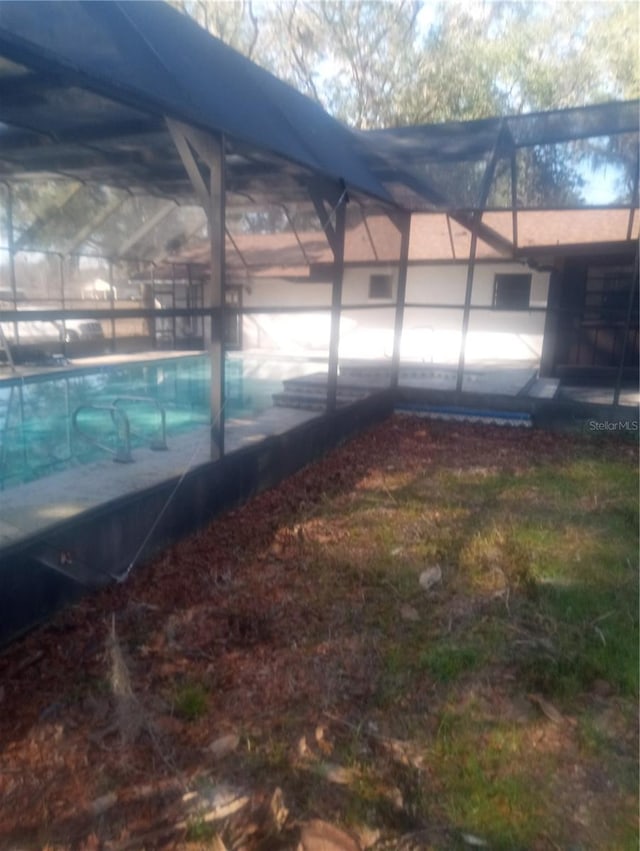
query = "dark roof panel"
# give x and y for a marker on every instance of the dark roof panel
(150, 56)
(444, 164)
(470, 140)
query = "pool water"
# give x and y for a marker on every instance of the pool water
(52, 422)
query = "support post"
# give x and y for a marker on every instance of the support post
(63, 333)
(471, 266)
(634, 196)
(214, 293)
(487, 180)
(627, 328)
(63, 281)
(12, 261)
(514, 198)
(211, 194)
(337, 244)
(112, 308)
(552, 321)
(369, 237)
(405, 233)
(173, 305)
(451, 240)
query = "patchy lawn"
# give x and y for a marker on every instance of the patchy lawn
(429, 639)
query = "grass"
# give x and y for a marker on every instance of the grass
(445, 662)
(539, 595)
(200, 831)
(191, 701)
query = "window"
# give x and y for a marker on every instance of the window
(511, 292)
(380, 286)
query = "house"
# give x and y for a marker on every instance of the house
(515, 307)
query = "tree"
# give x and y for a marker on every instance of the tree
(234, 21)
(368, 49)
(375, 64)
(405, 62)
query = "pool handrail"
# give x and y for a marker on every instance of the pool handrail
(158, 444)
(122, 452)
(3, 436)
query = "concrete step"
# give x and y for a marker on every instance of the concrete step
(544, 388)
(300, 401)
(311, 395)
(307, 402)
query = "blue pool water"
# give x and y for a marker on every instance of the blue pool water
(53, 422)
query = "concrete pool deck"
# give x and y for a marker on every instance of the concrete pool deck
(87, 364)
(509, 379)
(30, 509)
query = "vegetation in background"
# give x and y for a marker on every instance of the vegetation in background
(382, 64)
(377, 64)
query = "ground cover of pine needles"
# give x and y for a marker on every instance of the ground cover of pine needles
(290, 652)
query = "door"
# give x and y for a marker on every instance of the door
(586, 329)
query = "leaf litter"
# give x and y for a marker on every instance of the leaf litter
(306, 658)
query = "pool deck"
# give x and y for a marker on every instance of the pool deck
(67, 367)
(30, 509)
(486, 378)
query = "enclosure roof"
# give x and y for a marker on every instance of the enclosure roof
(464, 140)
(85, 88)
(84, 73)
(407, 159)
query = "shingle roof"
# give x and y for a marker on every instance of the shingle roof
(433, 240)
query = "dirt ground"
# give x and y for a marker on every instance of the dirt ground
(210, 701)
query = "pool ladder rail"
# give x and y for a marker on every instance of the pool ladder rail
(6, 348)
(122, 453)
(159, 442)
(6, 403)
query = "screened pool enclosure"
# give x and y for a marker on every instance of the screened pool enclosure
(195, 259)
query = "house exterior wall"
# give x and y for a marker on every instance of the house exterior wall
(430, 334)
(494, 335)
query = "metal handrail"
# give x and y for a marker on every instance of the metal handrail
(6, 348)
(159, 443)
(3, 437)
(122, 452)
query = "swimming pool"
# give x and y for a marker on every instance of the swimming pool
(51, 422)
